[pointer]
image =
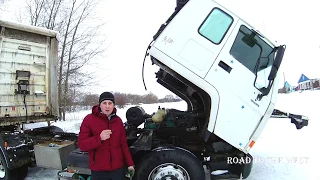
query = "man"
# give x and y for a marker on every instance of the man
(102, 134)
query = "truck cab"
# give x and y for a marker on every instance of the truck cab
(227, 72)
(225, 66)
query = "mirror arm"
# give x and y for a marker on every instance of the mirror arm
(265, 91)
(273, 72)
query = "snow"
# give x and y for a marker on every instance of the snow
(281, 152)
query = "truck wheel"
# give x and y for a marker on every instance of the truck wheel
(173, 164)
(23, 172)
(5, 172)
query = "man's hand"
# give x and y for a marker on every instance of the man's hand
(105, 134)
(131, 171)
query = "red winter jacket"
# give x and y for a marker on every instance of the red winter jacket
(107, 155)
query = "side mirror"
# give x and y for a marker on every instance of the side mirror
(277, 62)
(266, 85)
(249, 40)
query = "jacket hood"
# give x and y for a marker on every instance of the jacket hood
(97, 111)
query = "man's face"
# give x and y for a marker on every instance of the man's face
(107, 107)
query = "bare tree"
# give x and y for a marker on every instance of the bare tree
(120, 99)
(81, 39)
(169, 97)
(1, 3)
(45, 13)
(150, 98)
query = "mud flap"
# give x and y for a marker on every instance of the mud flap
(241, 168)
(246, 167)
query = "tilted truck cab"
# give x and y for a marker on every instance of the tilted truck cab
(227, 72)
(227, 64)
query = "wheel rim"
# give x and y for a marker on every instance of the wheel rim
(2, 170)
(169, 171)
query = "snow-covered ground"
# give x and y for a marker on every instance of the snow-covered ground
(281, 153)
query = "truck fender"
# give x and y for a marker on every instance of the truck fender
(3, 152)
(138, 154)
(172, 148)
(4, 155)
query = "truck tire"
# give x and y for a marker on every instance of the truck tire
(23, 172)
(5, 172)
(170, 163)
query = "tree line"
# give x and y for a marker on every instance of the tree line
(121, 99)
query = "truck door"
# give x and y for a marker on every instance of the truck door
(233, 74)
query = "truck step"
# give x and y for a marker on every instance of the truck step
(224, 177)
(227, 175)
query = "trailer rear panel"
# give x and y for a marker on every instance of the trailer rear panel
(28, 79)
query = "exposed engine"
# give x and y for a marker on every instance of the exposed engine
(165, 122)
(163, 118)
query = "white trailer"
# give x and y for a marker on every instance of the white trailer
(29, 94)
(28, 74)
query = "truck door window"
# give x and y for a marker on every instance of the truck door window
(246, 55)
(216, 25)
(257, 57)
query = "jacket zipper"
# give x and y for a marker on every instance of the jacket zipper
(110, 143)
(94, 156)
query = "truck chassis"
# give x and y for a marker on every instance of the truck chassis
(157, 142)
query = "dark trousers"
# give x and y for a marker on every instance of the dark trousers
(118, 174)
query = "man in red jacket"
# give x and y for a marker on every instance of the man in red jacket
(103, 136)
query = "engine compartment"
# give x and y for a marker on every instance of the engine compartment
(164, 122)
(187, 129)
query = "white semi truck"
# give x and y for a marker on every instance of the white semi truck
(225, 70)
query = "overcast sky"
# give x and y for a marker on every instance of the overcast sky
(131, 25)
